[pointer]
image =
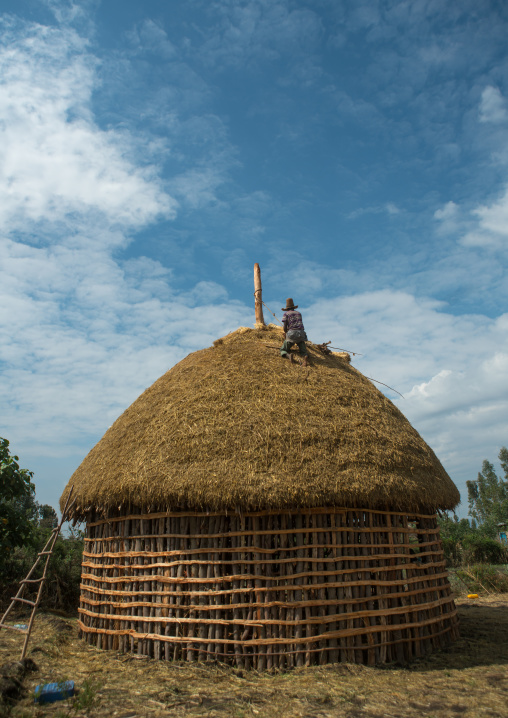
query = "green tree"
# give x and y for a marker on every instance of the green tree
(465, 543)
(48, 517)
(18, 509)
(488, 494)
(503, 458)
(453, 528)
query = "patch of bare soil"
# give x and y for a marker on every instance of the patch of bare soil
(469, 679)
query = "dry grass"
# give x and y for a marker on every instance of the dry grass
(470, 679)
(237, 426)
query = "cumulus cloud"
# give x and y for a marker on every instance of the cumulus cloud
(491, 228)
(54, 161)
(494, 218)
(493, 106)
(487, 225)
(447, 217)
(464, 409)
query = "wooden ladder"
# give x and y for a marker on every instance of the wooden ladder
(18, 598)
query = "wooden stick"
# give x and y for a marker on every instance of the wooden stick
(284, 604)
(447, 632)
(258, 297)
(304, 640)
(207, 514)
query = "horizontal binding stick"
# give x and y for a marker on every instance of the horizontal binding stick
(289, 587)
(244, 577)
(255, 604)
(307, 649)
(197, 551)
(272, 532)
(413, 565)
(330, 618)
(338, 572)
(274, 641)
(270, 512)
(288, 651)
(334, 648)
(227, 550)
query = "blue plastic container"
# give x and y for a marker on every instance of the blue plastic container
(51, 692)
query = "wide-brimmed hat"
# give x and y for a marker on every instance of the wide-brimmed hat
(289, 305)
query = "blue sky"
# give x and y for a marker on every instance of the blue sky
(152, 152)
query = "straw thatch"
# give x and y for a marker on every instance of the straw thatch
(235, 426)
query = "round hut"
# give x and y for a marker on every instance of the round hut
(247, 510)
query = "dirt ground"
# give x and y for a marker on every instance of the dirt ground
(469, 679)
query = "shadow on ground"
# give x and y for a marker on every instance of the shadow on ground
(483, 638)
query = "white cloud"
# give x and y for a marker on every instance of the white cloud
(155, 36)
(465, 410)
(448, 217)
(493, 106)
(495, 218)
(389, 208)
(150, 36)
(492, 225)
(196, 188)
(69, 12)
(81, 337)
(488, 227)
(54, 160)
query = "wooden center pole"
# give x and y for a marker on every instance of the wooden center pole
(258, 306)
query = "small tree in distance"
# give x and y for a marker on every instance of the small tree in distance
(488, 495)
(48, 518)
(474, 540)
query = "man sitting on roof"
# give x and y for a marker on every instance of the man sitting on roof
(295, 333)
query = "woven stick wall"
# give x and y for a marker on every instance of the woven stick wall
(267, 589)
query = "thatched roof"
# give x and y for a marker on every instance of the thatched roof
(236, 426)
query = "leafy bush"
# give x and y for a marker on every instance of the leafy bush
(483, 578)
(17, 506)
(452, 552)
(466, 543)
(61, 589)
(472, 549)
(25, 527)
(476, 548)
